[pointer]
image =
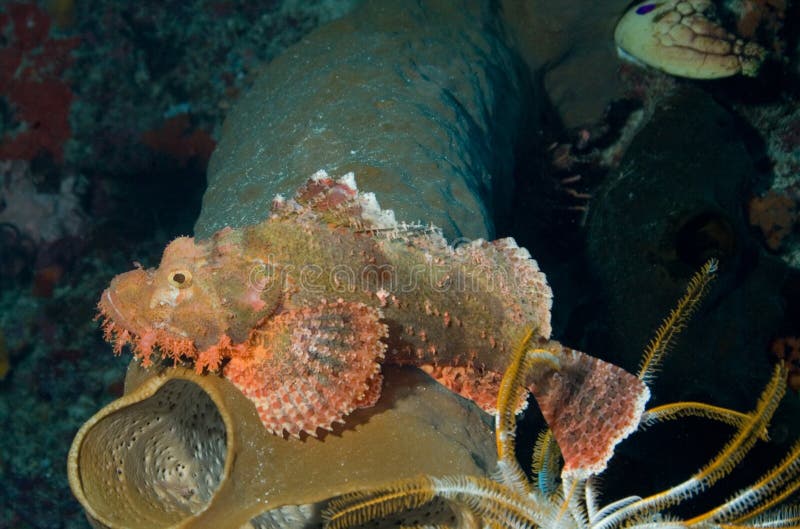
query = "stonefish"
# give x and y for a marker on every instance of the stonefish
(301, 310)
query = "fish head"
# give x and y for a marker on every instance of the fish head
(174, 302)
(202, 294)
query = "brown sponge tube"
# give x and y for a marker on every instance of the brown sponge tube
(422, 100)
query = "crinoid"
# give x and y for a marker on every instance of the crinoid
(571, 500)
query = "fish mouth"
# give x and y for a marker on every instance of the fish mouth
(110, 312)
(120, 304)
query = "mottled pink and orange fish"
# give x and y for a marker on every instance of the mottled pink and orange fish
(301, 310)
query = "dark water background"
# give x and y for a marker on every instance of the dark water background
(108, 165)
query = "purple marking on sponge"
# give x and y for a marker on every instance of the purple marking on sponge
(643, 10)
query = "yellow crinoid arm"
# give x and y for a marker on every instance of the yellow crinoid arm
(748, 433)
(781, 517)
(665, 336)
(546, 462)
(720, 466)
(512, 389)
(780, 483)
(361, 507)
(677, 410)
(470, 498)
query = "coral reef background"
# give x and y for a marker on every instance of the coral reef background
(112, 167)
(107, 172)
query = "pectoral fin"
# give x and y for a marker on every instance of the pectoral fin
(309, 368)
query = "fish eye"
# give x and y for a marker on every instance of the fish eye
(180, 278)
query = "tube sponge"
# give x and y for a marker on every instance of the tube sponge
(186, 450)
(423, 101)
